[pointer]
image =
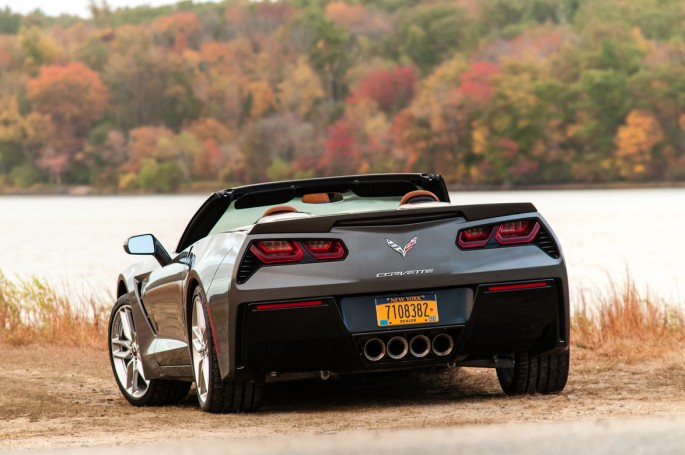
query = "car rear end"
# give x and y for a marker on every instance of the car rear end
(397, 290)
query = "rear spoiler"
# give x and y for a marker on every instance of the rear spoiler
(323, 224)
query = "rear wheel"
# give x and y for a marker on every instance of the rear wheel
(213, 393)
(125, 358)
(535, 374)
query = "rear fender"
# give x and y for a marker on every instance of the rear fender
(213, 263)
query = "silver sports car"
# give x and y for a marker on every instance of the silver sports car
(340, 275)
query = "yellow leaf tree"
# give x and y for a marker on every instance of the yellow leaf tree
(300, 89)
(635, 141)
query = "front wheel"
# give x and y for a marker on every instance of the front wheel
(125, 357)
(213, 393)
(544, 374)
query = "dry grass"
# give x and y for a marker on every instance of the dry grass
(626, 318)
(33, 311)
(623, 318)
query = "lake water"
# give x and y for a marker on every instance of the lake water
(76, 242)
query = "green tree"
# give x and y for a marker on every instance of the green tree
(429, 34)
(137, 81)
(9, 22)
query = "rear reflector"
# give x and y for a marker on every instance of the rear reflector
(516, 287)
(282, 306)
(275, 251)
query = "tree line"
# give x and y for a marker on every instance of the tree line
(485, 92)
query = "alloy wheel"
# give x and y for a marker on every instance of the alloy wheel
(200, 343)
(126, 355)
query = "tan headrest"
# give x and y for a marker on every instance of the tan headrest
(279, 209)
(316, 198)
(418, 194)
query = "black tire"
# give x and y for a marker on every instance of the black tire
(535, 374)
(217, 395)
(153, 392)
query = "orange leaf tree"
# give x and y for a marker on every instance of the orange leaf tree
(72, 95)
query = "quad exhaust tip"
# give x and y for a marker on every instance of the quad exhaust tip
(420, 346)
(374, 349)
(442, 345)
(397, 347)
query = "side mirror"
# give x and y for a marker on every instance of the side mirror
(147, 244)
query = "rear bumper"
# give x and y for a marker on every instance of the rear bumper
(483, 321)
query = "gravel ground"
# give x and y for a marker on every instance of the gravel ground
(54, 397)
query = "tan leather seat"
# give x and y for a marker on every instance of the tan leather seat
(275, 210)
(416, 196)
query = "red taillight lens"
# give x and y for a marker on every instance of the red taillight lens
(275, 251)
(474, 237)
(323, 250)
(517, 232)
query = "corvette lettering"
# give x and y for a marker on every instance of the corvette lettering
(407, 272)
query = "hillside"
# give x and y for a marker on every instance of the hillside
(486, 92)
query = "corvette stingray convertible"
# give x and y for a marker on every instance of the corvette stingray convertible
(340, 275)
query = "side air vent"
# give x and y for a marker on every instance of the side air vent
(248, 266)
(546, 244)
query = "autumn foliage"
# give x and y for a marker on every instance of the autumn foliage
(485, 92)
(72, 95)
(390, 88)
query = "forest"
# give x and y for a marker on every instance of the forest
(488, 93)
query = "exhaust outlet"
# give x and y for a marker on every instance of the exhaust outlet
(420, 346)
(443, 345)
(374, 349)
(397, 348)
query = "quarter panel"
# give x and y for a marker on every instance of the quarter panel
(214, 264)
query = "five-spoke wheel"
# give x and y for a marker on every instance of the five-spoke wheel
(126, 353)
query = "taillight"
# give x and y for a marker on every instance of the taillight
(323, 250)
(511, 233)
(289, 251)
(474, 237)
(275, 251)
(517, 232)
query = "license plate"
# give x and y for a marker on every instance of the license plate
(406, 310)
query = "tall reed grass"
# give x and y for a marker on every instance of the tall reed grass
(33, 311)
(625, 315)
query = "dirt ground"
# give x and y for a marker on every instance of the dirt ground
(66, 397)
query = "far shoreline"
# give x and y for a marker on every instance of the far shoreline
(210, 187)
